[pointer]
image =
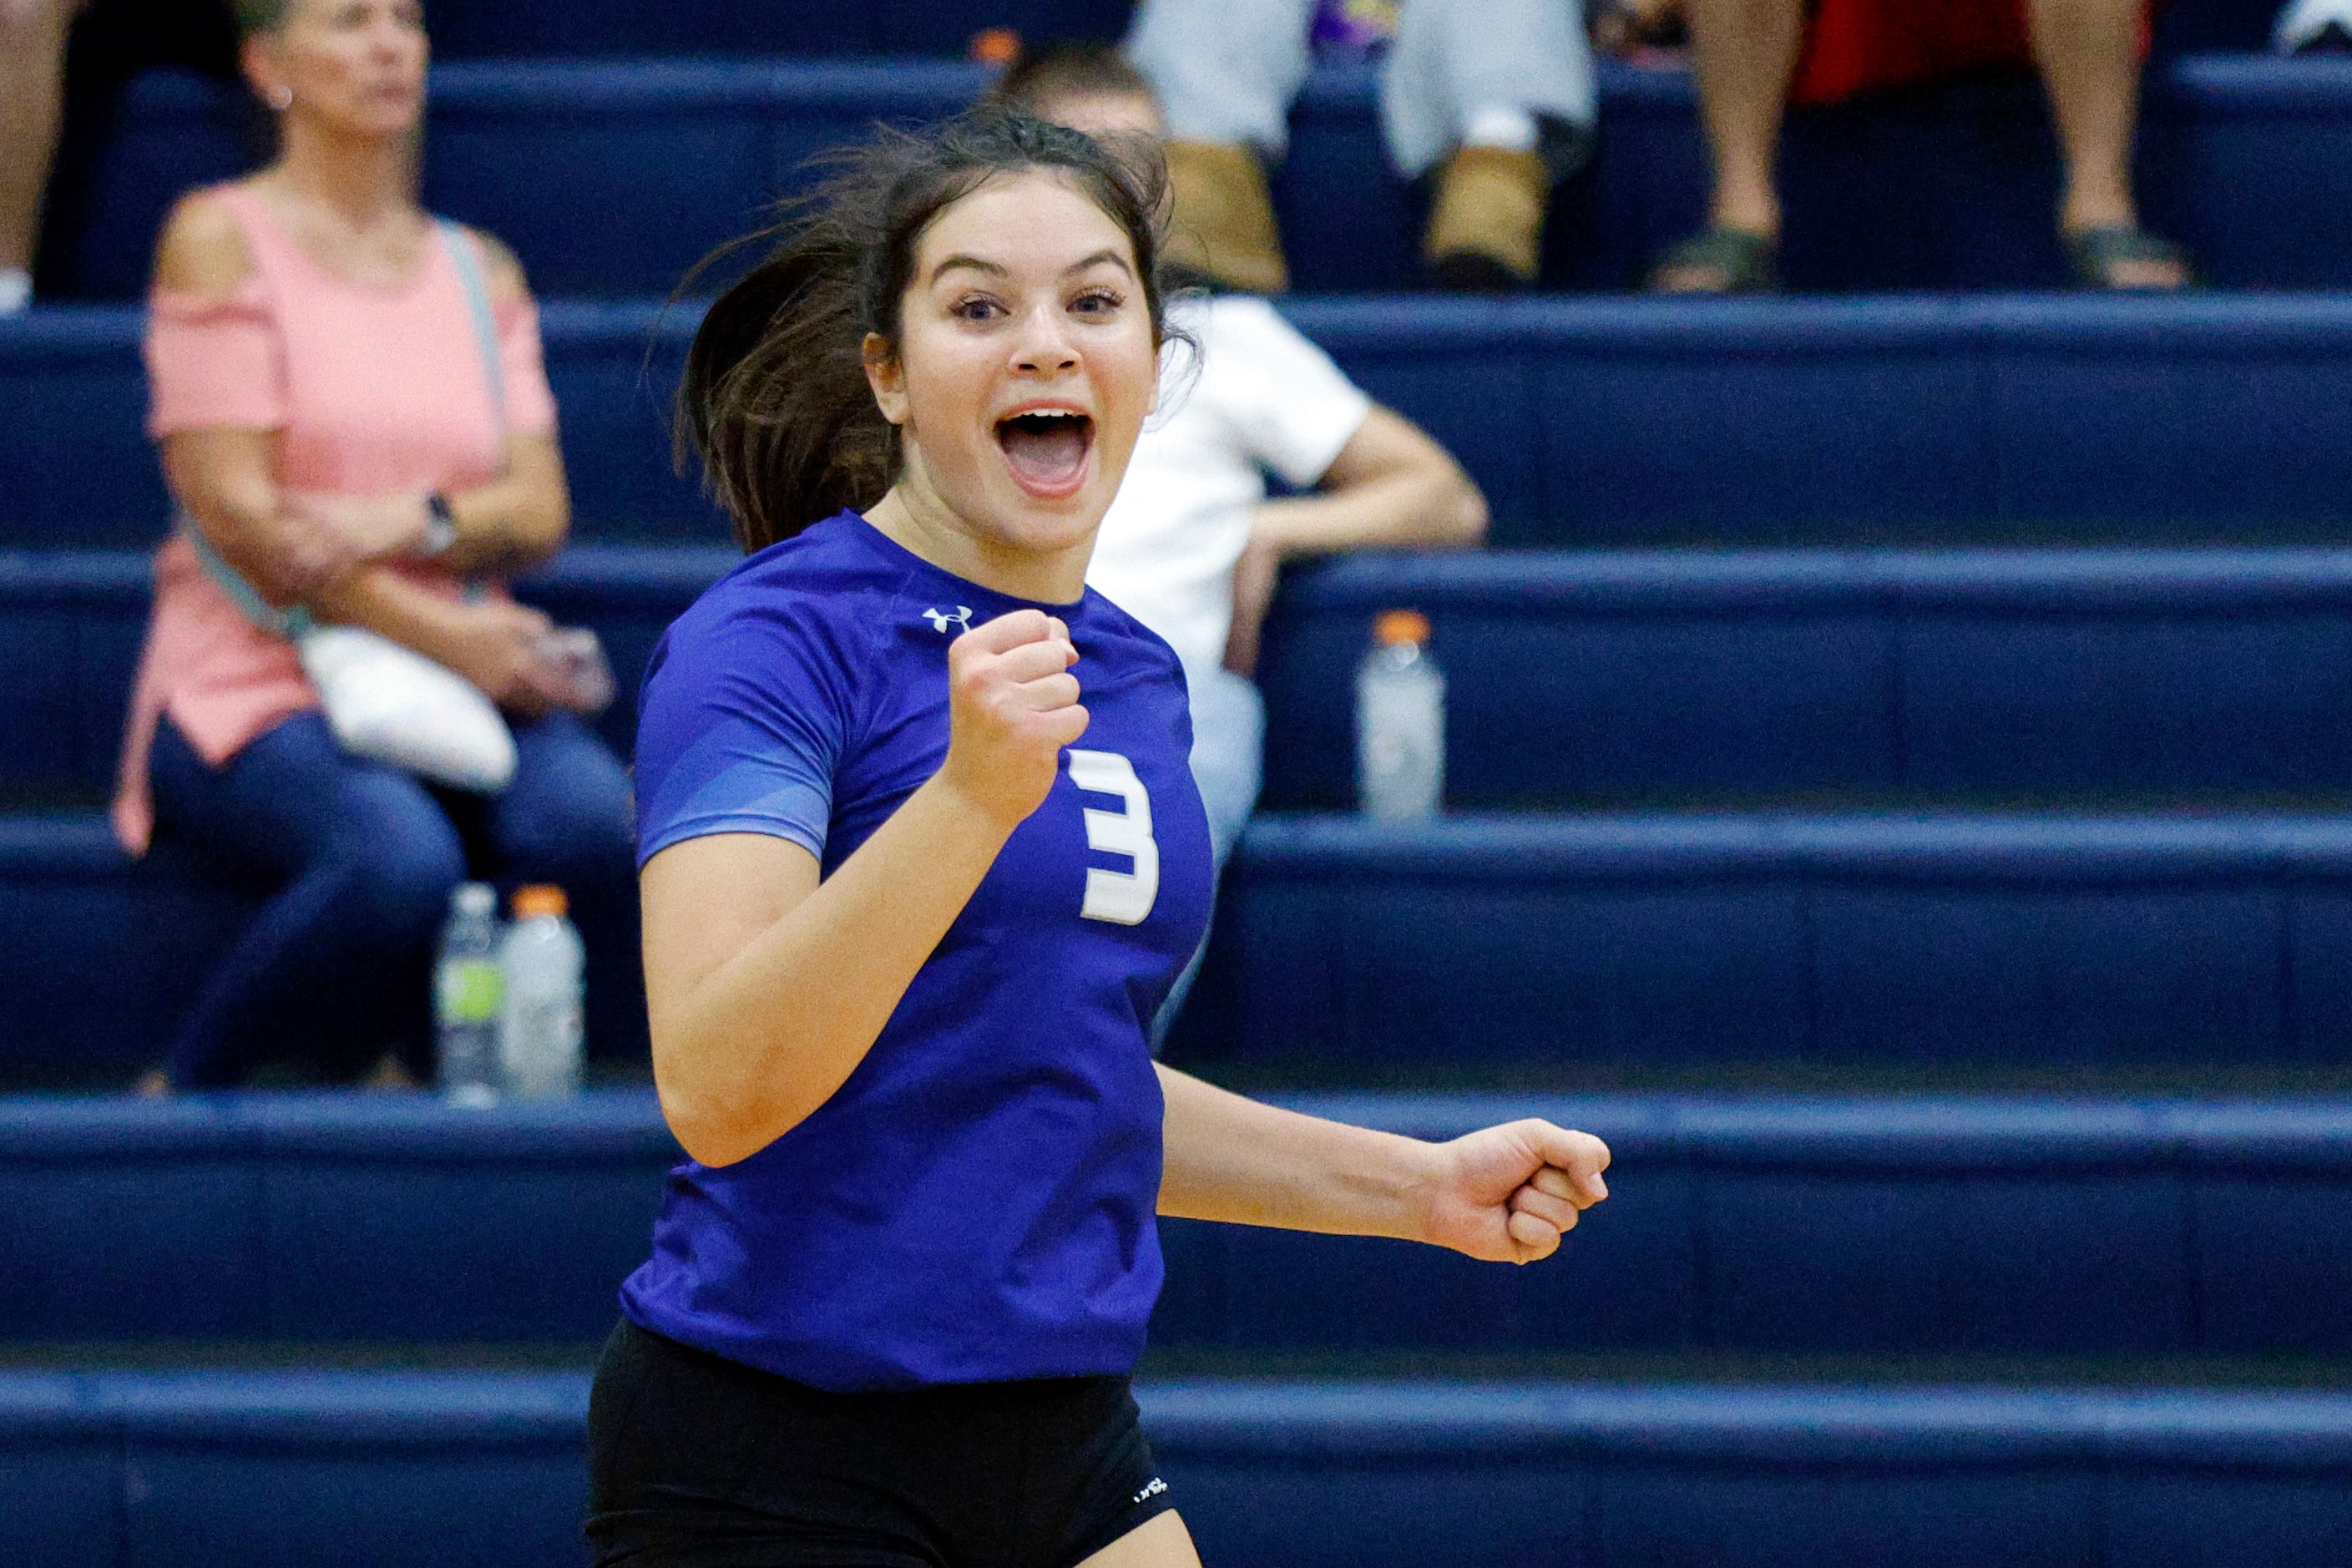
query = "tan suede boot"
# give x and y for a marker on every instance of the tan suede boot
(1485, 227)
(1224, 219)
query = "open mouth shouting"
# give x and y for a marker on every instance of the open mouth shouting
(1045, 445)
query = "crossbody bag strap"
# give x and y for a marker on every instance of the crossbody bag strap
(465, 255)
(293, 624)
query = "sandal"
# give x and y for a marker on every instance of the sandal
(1749, 263)
(2096, 254)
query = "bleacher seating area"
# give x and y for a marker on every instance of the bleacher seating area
(1900, 770)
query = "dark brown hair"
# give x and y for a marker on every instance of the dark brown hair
(775, 401)
(1034, 83)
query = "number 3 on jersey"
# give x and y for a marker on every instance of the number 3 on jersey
(1123, 898)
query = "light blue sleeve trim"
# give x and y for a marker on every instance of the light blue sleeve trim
(783, 794)
(708, 827)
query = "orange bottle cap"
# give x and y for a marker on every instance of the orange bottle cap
(1400, 626)
(540, 899)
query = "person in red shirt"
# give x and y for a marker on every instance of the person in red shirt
(1752, 57)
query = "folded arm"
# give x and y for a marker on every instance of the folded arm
(1390, 488)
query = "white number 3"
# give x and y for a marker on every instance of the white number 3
(1123, 898)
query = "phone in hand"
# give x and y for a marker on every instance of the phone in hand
(581, 669)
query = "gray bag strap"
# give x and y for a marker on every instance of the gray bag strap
(296, 622)
(293, 624)
(467, 258)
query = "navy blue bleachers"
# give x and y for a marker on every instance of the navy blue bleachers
(494, 28)
(614, 177)
(1585, 677)
(1588, 423)
(1635, 675)
(268, 1470)
(1943, 1224)
(1937, 939)
(463, 28)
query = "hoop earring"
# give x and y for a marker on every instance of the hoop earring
(282, 98)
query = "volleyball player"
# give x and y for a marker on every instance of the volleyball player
(921, 854)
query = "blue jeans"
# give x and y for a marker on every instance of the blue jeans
(336, 969)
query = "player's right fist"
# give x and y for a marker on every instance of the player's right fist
(1012, 705)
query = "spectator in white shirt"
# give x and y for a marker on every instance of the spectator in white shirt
(1192, 545)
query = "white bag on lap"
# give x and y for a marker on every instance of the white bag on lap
(392, 704)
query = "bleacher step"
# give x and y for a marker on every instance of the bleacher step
(108, 1470)
(2003, 419)
(2043, 941)
(2241, 157)
(1584, 677)
(1942, 1225)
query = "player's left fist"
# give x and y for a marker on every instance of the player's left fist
(1507, 1193)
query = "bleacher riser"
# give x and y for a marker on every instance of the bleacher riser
(277, 1470)
(1938, 1226)
(1849, 422)
(2242, 158)
(1586, 677)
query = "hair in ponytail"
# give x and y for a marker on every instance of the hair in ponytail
(775, 401)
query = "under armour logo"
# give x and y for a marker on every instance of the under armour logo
(940, 620)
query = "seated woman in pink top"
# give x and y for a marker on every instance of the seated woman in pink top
(329, 421)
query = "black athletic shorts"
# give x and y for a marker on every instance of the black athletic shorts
(695, 1461)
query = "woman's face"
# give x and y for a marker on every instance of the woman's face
(357, 65)
(1025, 366)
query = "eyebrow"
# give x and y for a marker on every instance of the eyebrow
(975, 264)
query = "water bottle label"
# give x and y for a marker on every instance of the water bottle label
(469, 991)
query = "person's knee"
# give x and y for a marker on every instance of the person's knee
(568, 818)
(398, 883)
(577, 848)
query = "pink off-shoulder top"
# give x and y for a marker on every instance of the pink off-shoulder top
(372, 393)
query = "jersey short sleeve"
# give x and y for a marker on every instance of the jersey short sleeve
(1292, 406)
(741, 729)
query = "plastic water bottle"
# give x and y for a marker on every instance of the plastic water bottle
(1399, 722)
(467, 988)
(539, 1028)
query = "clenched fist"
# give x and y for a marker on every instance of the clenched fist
(1506, 1195)
(1012, 705)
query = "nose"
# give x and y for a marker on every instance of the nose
(1044, 347)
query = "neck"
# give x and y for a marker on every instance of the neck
(914, 516)
(363, 180)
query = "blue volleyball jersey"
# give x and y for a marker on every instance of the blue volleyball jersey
(976, 1202)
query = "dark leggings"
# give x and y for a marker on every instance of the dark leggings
(335, 971)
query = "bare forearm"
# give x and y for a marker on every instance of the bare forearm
(514, 522)
(1236, 1159)
(1404, 510)
(384, 602)
(767, 1036)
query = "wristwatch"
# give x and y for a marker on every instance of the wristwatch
(440, 528)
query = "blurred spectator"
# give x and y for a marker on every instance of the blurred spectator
(1495, 96)
(2314, 27)
(1754, 57)
(328, 426)
(1192, 546)
(63, 67)
(32, 93)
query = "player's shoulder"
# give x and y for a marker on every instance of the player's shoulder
(1118, 636)
(801, 601)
